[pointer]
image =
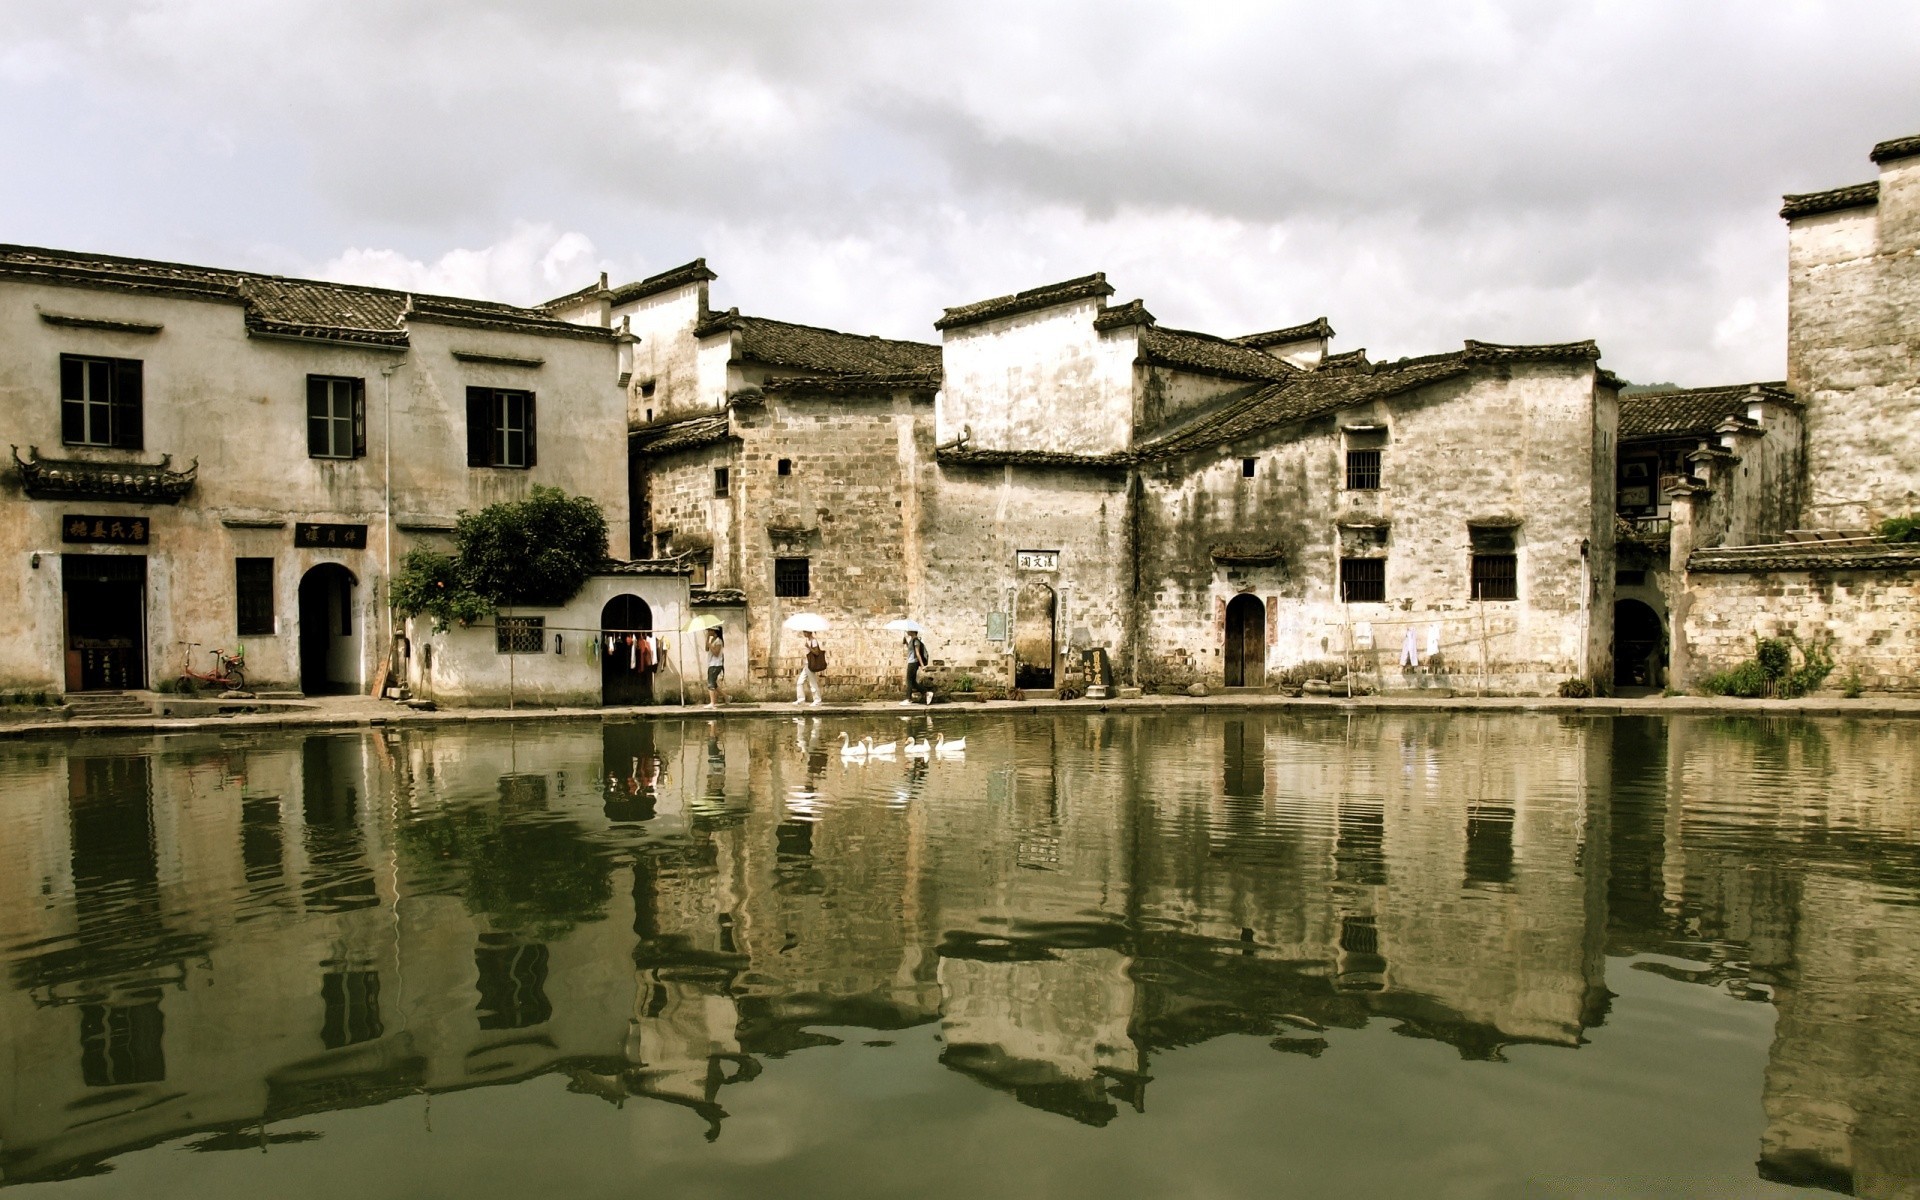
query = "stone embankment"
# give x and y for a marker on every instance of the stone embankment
(357, 712)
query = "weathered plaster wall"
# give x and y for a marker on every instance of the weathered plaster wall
(463, 666)
(1495, 444)
(1044, 379)
(666, 356)
(237, 404)
(1869, 619)
(1853, 319)
(680, 499)
(976, 520)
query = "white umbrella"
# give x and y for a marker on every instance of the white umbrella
(703, 621)
(905, 626)
(807, 623)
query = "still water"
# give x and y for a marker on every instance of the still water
(1387, 955)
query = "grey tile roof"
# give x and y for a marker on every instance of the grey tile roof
(1308, 394)
(1692, 412)
(964, 457)
(823, 351)
(1806, 204)
(680, 433)
(1316, 328)
(1807, 556)
(1186, 350)
(1085, 287)
(645, 566)
(680, 276)
(276, 305)
(841, 385)
(1896, 148)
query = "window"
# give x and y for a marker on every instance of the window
(519, 635)
(352, 1005)
(100, 402)
(253, 595)
(1363, 470)
(1496, 577)
(500, 428)
(1489, 846)
(646, 389)
(1248, 466)
(336, 417)
(121, 1044)
(1629, 578)
(1363, 580)
(663, 543)
(792, 577)
(512, 984)
(1496, 570)
(720, 482)
(784, 466)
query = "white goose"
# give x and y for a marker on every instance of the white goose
(882, 751)
(919, 749)
(957, 748)
(853, 751)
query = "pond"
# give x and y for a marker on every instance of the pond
(1085, 955)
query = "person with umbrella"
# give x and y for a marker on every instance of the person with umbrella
(815, 663)
(916, 658)
(716, 654)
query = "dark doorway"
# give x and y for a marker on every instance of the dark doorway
(106, 603)
(329, 645)
(1639, 645)
(1033, 648)
(1246, 641)
(627, 651)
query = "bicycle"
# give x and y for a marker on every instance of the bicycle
(229, 669)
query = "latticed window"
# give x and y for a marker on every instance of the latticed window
(100, 402)
(792, 577)
(519, 635)
(1363, 470)
(336, 417)
(1363, 580)
(500, 428)
(253, 595)
(1496, 577)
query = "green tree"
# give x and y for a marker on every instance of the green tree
(538, 551)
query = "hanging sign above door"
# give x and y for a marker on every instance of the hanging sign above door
(310, 536)
(109, 531)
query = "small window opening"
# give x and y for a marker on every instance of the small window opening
(520, 635)
(792, 577)
(1248, 466)
(1363, 580)
(646, 389)
(1495, 570)
(719, 482)
(785, 466)
(1363, 470)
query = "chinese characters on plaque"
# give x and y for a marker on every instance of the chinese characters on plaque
(309, 535)
(107, 531)
(1038, 560)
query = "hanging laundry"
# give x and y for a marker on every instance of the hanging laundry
(1433, 639)
(643, 645)
(633, 653)
(1409, 650)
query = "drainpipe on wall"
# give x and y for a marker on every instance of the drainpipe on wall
(386, 540)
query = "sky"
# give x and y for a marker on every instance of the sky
(1418, 173)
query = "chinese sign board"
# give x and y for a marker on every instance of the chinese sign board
(109, 531)
(310, 536)
(1038, 560)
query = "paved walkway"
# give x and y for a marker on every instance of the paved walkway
(350, 712)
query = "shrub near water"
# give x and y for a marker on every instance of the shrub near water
(1770, 672)
(539, 551)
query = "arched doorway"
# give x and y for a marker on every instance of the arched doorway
(626, 651)
(1246, 651)
(329, 631)
(1033, 648)
(1639, 645)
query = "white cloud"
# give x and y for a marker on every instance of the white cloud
(532, 263)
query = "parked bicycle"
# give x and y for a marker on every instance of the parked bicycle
(229, 669)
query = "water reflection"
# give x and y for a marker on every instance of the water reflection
(205, 936)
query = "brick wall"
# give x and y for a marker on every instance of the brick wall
(1869, 618)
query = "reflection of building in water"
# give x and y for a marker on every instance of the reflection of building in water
(1442, 871)
(1785, 855)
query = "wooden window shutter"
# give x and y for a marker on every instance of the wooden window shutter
(316, 416)
(359, 418)
(531, 459)
(127, 430)
(479, 427)
(73, 411)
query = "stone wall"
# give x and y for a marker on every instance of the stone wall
(1869, 618)
(1853, 317)
(1494, 445)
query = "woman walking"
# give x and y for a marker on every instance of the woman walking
(814, 666)
(716, 664)
(916, 659)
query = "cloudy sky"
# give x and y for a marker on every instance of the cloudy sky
(1417, 172)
